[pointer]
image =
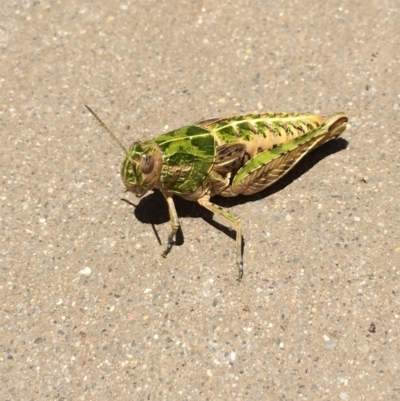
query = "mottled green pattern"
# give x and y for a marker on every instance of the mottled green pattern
(138, 148)
(265, 157)
(249, 126)
(188, 155)
(129, 170)
(184, 132)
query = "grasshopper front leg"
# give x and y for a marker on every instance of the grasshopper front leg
(235, 221)
(174, 220)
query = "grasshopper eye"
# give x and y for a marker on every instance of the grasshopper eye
(147, 164)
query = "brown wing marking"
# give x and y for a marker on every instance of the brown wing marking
(229, 157)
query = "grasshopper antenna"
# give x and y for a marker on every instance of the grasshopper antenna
(121, 146)
(107, 129)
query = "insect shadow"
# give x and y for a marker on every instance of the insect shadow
(153, 209)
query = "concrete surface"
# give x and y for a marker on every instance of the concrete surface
(322, 254)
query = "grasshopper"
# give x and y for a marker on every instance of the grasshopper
(240, 155)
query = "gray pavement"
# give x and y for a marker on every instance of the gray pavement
(91, 311)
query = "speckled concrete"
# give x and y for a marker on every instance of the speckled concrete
(90, 310)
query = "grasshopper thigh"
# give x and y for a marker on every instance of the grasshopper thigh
(269, 166)
(261, 174)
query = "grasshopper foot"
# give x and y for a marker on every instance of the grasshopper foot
(240, 276)
(167, 250)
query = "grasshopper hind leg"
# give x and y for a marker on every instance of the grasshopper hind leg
(235, 221)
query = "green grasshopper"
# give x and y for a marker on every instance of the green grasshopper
(223, 156)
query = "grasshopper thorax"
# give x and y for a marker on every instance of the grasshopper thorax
(141, 169)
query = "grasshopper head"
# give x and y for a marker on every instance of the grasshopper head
(141, 169)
